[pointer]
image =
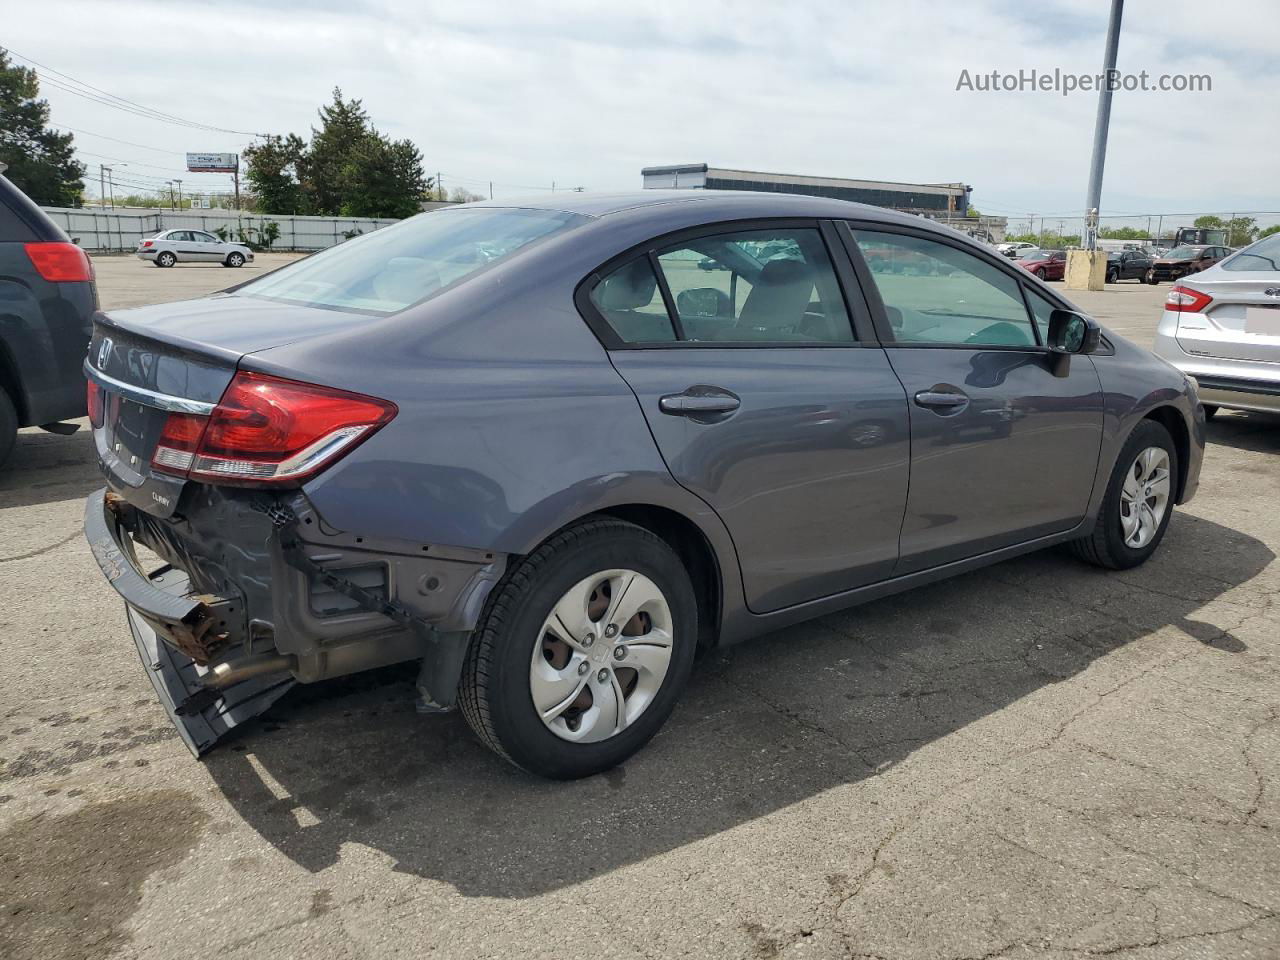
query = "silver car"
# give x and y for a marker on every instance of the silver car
(192, 246)
(1222, 326)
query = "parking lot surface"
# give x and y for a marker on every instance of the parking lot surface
(1035, 760)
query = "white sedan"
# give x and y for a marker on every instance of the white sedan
(192, 246)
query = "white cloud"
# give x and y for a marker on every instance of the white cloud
(588, 93)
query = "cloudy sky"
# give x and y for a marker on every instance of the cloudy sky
(586, 93)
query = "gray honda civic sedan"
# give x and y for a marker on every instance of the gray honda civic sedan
(550, 451)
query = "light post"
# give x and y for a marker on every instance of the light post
(1087, 271)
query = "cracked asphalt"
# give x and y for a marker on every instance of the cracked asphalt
(1035, 760)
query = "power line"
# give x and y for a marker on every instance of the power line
(99, 95)
(127, 143)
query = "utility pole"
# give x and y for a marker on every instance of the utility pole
(236, 180)
(553, 186)
(179, 183)
(169, 184)
(439, 186)
(1102, 124)
(1086, 270)
(490, 189)
(111, 190)
(102, 187)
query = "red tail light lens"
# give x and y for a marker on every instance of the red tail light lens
(94, 403)
(147, 243)
(1185, 300)
(178, 442)
(268, 430)
(60, 262)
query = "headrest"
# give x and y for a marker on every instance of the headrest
(777, 272)
(628, 287)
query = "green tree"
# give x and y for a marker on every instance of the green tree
(1268, 231)
(1122, 233)
(272, 172)
(1209, 222)
(41, 162)
(348, 168)
(383, 178)
(1241, 231)
(344, 126)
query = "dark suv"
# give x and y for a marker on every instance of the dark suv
(47, 300)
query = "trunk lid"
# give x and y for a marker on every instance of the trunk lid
(1241, 323)
(178, 357)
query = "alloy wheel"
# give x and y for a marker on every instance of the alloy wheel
(1144, 497)
(601, 656)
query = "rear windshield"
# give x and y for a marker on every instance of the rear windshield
(1263, 255)
(391, 268)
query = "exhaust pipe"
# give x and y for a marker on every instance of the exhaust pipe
(229, 672)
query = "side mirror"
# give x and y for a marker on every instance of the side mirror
(1071, 332)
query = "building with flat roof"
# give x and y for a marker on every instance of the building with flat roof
(929, 199)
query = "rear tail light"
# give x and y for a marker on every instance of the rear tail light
(94, 403)
(60, 262)
(268, 430)
(146, 243)
(1185, 300)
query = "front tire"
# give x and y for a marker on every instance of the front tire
(1138, 503)
(235, 259)
(165, 259)
(1113, 276)
(1210, 410)
(544, 684)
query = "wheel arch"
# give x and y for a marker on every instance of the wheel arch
(693, 548)
(1172, 420)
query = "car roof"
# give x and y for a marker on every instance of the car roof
(723, 204)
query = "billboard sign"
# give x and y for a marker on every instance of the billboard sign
(213, 162)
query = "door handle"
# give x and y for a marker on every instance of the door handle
(938, 400)
(699, 403)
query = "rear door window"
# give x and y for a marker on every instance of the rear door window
(771, 286)
(936, 293)
(630, 301)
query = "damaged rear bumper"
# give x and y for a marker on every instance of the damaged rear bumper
(247, 604)
(166, 620)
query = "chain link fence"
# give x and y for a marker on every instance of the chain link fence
(1242, 227)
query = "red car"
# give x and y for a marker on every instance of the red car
(1045, 264)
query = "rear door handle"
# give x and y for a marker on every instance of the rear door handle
(937, 400)
(699, 402)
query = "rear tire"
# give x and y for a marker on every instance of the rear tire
(496, 691)
(1150, 278)
(1107, 545)
(1040, 273)
(8, 426)
(165, 259)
